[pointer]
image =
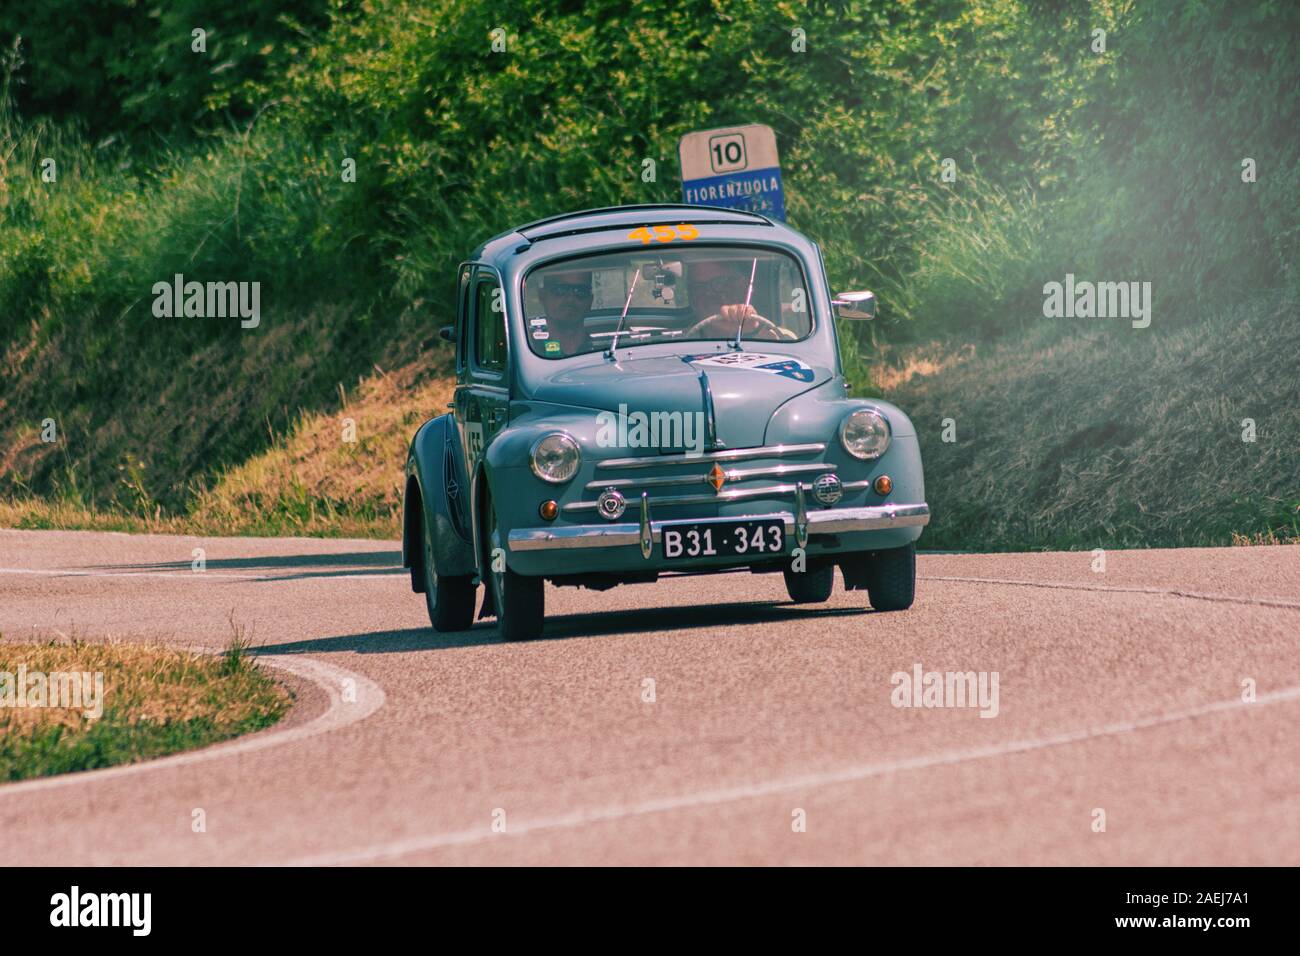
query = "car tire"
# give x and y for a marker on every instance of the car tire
(450, 600)
(891, 579)
(520, 599)
(812, 586)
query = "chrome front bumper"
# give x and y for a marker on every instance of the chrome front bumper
(798, 525)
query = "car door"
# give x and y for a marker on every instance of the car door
(482, 397)
(456, 466)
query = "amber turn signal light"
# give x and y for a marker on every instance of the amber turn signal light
(884, 485)
(549, 510)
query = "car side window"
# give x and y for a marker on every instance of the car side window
(463, 286)
(489, 326)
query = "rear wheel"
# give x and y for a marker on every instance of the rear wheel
(450, 600)
(812, 586)
(519, 599)
(891, 578)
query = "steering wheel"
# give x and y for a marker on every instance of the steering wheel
(760, 325)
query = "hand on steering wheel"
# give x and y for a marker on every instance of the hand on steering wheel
(723, 325)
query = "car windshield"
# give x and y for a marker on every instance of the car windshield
(695, 294)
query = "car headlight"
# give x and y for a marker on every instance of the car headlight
(865, 433)
(555, 458)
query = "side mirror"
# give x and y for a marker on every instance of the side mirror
(447, 333)
(855, 305)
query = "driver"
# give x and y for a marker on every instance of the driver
(566, 299)
(718, 290)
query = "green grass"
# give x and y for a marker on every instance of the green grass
(156, 702)
(269, 515)
(1099, 435)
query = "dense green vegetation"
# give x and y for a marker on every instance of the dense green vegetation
(228, 164)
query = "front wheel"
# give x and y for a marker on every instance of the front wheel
(891, 578)
(519, 599)
(812, 586)
(450, 600)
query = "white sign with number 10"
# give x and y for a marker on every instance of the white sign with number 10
(735, 166)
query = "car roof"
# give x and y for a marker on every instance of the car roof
(614, 217)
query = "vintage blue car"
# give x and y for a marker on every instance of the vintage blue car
(653, 390)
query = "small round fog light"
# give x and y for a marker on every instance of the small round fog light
(549, 510)
(883, 485)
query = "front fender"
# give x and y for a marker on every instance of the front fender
(815, 416)
(436, 489)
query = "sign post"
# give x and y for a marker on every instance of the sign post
(736, 167)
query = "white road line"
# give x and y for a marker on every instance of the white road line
(340, 713)
(405, 847)
(1199, 595)
(298, 573)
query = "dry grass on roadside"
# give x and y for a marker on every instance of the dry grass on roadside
(36, 513)
(896, 366)
(155, 701)
(309, 482)
(313, 481)
(1259, 538)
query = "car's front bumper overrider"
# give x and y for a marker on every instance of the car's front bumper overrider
(799, 525)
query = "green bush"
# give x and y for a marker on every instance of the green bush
(1116, 165)
(1152, 189)
(128, 67)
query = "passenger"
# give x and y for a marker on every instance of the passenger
(566, 299)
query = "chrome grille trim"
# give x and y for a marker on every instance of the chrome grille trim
(731, 454)
(737, 494)
(732, 474)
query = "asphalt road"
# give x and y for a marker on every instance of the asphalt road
(1118, 692)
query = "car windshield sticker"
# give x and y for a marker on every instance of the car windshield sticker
(552, 346)
(538, 323)
(773, 364)
(541, 334)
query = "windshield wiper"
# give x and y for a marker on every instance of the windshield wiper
(618, 330)
(740, 325)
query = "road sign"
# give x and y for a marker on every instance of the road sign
(735, 166)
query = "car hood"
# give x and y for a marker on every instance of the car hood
(746, 387)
